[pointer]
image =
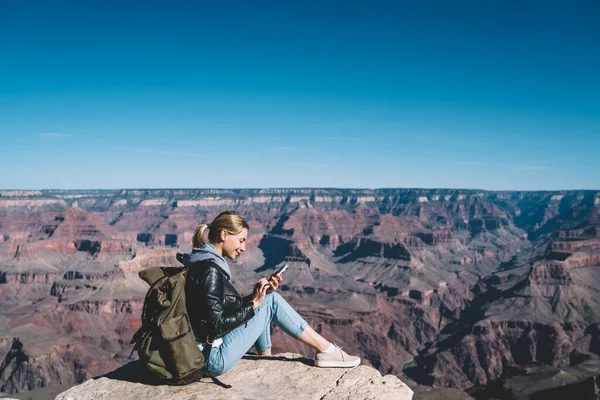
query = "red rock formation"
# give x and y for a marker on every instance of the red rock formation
(550, 273)
(396, 276)
(150, 258)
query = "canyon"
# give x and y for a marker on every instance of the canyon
(474, 291)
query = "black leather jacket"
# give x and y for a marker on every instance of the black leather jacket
(213, 305)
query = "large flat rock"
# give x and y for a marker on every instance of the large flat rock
(285, 376)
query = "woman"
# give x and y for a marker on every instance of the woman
(233, 323)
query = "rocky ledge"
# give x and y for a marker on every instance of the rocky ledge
(286, 375)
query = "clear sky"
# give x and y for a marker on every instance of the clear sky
(250, 94)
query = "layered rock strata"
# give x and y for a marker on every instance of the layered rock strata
(457, 285)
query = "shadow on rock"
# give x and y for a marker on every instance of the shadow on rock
(303, 360)
(134, 372)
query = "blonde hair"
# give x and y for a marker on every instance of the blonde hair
(228, 221)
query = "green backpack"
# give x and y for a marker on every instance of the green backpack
(166, 343)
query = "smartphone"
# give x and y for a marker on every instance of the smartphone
(282, 269)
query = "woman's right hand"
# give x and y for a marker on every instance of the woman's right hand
(260, 289)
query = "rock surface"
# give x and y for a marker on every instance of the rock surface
(286, 376)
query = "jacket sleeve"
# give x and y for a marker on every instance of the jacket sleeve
(246, 299)
(209, 282)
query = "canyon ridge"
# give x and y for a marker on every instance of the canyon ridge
(496, 294)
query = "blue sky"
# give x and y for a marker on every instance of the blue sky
(435, 94)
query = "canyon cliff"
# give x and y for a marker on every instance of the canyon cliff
(450, 288)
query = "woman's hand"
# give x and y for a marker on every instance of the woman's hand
(274, 281)
(260, 289)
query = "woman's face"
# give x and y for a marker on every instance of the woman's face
(234, 245)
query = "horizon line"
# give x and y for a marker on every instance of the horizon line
(300, 188)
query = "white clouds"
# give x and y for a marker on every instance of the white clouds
(308, 164)
(291, 148)
(469, 162)
(425, 137)
(353, 139)
(535, 168)
(286, 148)
(167, 153)
(54, 135)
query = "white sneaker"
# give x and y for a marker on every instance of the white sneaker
(336, 359)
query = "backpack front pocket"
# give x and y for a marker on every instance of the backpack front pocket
(179, 350)
(175, 328)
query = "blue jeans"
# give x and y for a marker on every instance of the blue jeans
(257, 331)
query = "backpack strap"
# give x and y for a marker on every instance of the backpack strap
(206, 353)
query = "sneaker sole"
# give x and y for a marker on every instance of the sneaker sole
(337, 364)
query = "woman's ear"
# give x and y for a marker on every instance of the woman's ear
(223, 235)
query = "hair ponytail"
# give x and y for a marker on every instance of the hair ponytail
(228, 221)
(198, 237)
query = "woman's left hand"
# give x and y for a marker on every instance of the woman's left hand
(274, 280)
